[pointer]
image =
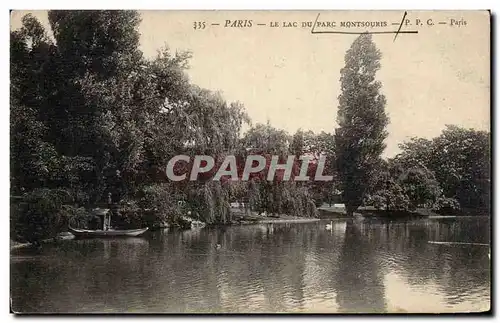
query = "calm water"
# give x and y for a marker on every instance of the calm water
(370, 266)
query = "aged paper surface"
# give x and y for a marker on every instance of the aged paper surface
(393, 107)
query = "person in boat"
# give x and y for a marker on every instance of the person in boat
(110, 204)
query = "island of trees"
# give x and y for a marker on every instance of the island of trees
(94, 122)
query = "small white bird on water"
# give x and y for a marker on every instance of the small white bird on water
(329, 226)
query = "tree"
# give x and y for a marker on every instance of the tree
(277, 196)
(462, 165)
(72, 93)
(268, 139)
(100, 42)
(460, 160)
(359, 139)
(320, 144)
(421, 187)
(401, 188)
(297, 146)
(316, 146)
(33, 159)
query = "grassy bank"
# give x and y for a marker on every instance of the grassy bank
(327, 212)
(241, 216)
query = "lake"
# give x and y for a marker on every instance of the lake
(357, 266)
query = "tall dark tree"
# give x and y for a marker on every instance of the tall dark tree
(359, 139)
(33, 159)
(102, 42)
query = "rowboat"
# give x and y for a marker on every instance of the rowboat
(83, 233)
(106, 230)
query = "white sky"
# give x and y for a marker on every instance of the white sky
(291, 77)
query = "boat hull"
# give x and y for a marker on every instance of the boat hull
(82, 233)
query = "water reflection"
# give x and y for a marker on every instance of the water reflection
(357, 266)
(360, 290)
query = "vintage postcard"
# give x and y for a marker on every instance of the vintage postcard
(250, 162)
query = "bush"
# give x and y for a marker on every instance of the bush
(297, 201)
(156, 204)
(398, 200)
(40, 215)
(318, 199)
(446, 206)
(80, 218)
(210, 202)
(282, 198)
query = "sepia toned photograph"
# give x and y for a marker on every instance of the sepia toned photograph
(250, 162)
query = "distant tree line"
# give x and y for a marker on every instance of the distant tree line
(449, 172)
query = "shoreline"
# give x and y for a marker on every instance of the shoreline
(14, 245)
(277, 220)
(19, 245)
(300, 220)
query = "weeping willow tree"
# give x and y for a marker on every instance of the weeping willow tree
(296, 200)
(281, 198)
(277, 196)
(210, 202)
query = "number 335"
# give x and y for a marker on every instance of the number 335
(199, 25)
